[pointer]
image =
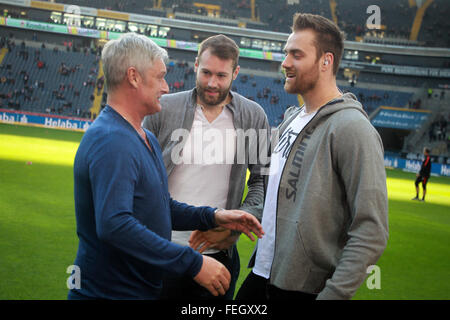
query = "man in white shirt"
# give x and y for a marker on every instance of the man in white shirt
(201, 134)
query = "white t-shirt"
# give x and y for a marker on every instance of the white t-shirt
(266, 245)
(203, 177)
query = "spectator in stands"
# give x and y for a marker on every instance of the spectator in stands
(439, 132)
(329, 208)
(424, 175)
(63, 70)
(170, 66)
(442, 129)
(100, 82)
(40, 64)
(67, 105)
(418, 103)
(123, 207)
(189, 72)
(211, 105)
(274, 99)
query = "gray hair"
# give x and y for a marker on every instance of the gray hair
(130, 50)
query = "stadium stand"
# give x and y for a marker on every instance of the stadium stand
(400, 24)
(435, 29)
(434, 133)
(39, 79)
(269, 91)
(371, 99)
(278, 16)
(259, 79)
(399, 19)
(135, 6)
(396, 17)
(82, 73)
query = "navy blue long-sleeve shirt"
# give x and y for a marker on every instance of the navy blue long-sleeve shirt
(125, 215)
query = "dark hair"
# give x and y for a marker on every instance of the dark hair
(426, 150)
(222, 47)
(329, 38)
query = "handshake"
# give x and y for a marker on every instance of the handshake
(213, 275)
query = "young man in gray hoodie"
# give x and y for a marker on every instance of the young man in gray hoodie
(326, 210)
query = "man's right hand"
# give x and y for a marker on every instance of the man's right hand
(213, 276)
(214, 238)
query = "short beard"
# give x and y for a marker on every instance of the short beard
(303, 87)
(223, 94)
(300, 88)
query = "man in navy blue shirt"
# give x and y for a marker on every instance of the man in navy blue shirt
(124, 212)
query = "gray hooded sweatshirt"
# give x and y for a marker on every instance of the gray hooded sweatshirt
(332, 208)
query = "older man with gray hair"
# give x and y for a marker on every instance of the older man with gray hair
(124, 212)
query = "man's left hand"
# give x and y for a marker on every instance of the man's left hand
(240, 221)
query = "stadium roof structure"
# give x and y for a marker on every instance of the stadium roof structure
(215, 28)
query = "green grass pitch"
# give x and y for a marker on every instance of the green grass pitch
(38, 238)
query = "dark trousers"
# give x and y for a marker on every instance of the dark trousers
(424, 181)
(258, 288)
(185, 288)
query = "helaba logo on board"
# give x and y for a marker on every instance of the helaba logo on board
(412, 165)
(49, 122)
(445, 170)
(389, 162)
(86, 126)
(7, 118)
